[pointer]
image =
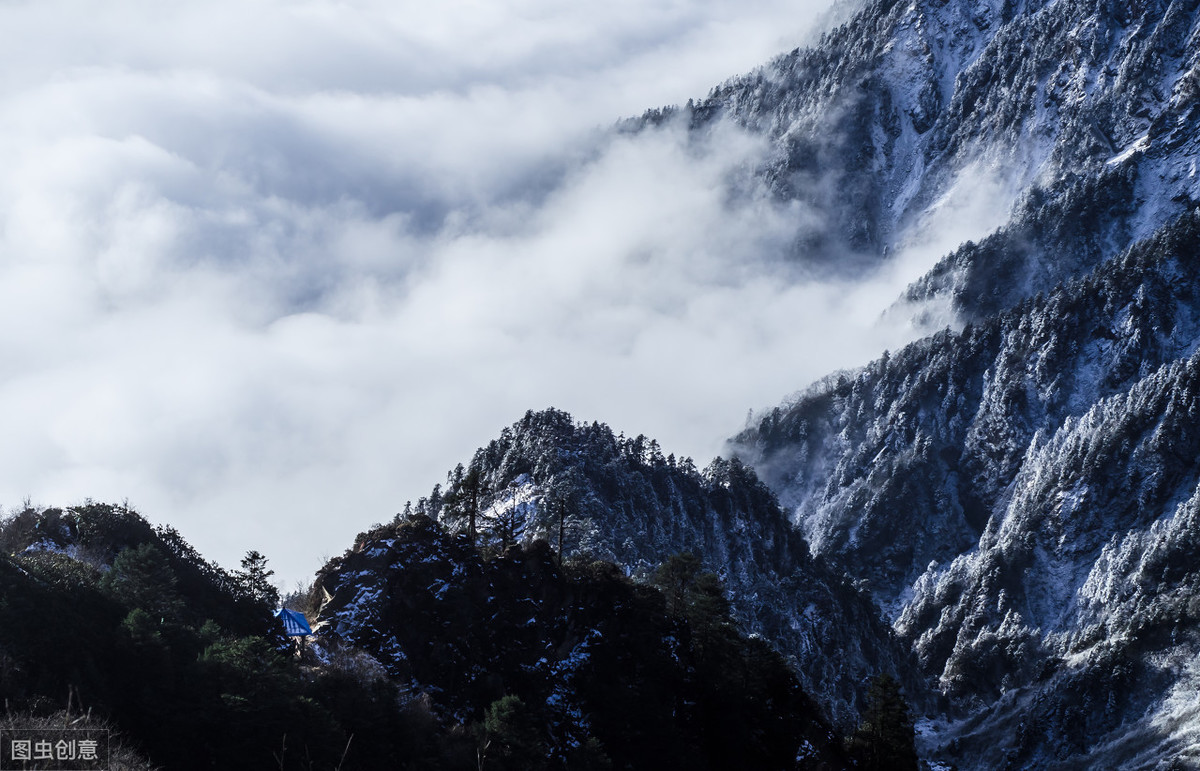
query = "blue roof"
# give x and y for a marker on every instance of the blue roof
(294, 622)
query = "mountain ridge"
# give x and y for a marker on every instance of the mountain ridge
(633, 506)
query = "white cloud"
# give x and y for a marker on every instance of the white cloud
(270, 269)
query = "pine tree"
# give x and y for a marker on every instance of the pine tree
(885, 739)
(508, 522)
(141, 577)
(254, 580)
(512, 735)
(562, 509)
(471, 490)
(691, 591)
(697, 596)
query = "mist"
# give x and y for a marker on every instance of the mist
(269, 270)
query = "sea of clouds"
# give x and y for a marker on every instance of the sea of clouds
(268, 269)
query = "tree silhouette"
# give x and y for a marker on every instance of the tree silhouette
(254, 580)
(141, 577)
(885, 739)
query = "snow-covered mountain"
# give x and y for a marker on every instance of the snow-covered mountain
(607, 672)
(627, 503)
(1019, 495)
(1075, 122)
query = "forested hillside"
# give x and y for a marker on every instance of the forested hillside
(621, 499)
(431, 653)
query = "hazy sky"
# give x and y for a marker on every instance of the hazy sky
(269, 269)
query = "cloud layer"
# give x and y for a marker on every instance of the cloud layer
(267, 270)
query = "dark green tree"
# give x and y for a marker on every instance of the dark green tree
(589, 756)
(465, 488)
(562, 510)
(512, 738)
(675, 578)
(507, 522)
(254, 580)
(691, 591)
(885, 739)
(141, 577)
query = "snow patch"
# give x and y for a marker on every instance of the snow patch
(1139, 145)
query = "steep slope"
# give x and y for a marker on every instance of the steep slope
(1076, 615)
(619, 499)
(1072, 124)
(936, 432)
(106, 621)
(606, 672)
(1019, 496)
